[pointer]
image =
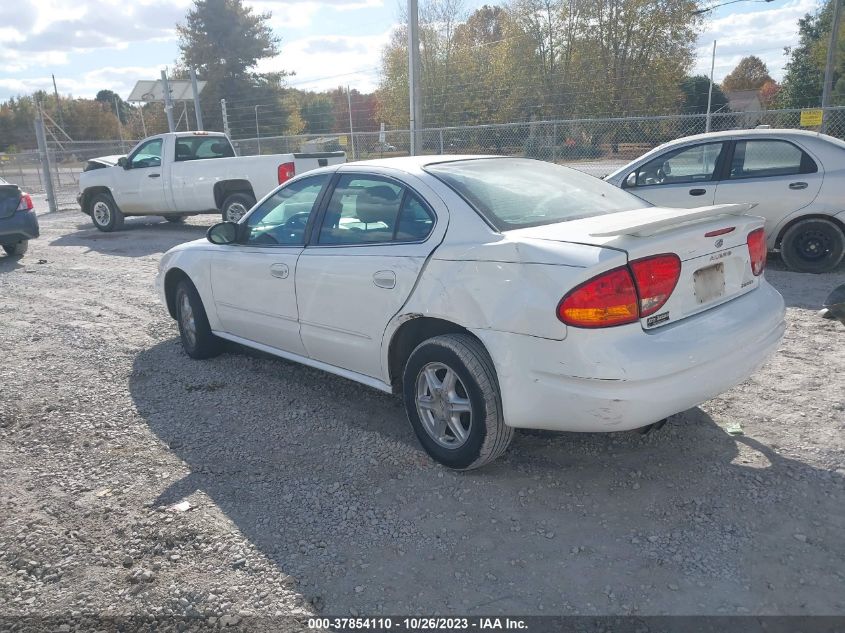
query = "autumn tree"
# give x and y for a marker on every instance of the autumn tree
(750, 74)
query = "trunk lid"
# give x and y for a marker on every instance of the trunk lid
(10, 198)
(711, 243)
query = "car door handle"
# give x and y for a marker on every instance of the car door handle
(280, 270)
(798, 185)
(153, 175)
(385, 279)
(697, 192)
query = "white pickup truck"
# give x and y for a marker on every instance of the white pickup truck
(185, 173)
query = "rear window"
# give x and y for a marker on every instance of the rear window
(202, 147)
(512, 193)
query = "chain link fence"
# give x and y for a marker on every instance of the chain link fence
(595, 146)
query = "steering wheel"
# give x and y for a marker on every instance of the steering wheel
(297, 221)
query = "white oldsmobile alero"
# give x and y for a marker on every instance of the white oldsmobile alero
(492, 293)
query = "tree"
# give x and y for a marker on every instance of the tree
(224, 41)
(108, 97)
(750, 74)
(802, 82)
(695, 92)
(769, 94)
(318, 114)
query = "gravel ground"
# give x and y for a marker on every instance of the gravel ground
(309, 494)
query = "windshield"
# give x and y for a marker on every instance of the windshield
(513, 193)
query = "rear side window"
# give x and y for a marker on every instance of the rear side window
(202, 147)
(512, 193)
(762, 158)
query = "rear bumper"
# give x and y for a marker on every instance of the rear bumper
(624, 378)
(21, 225)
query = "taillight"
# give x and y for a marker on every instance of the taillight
(286, 172)
(757, 250)
(606, 300)
(622, 295)
(26, 203)
(656, 278)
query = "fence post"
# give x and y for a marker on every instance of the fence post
(441, 141)
(225, 119)
(41, 138)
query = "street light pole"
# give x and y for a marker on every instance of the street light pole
(831, 57)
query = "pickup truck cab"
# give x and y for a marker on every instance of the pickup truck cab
(186, 173)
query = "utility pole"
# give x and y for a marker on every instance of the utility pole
(226, 130)
(831, 57)
(351, 131)
(168, 103)
(197, 108)
(710, 92)
(415, 94)
(58, 103)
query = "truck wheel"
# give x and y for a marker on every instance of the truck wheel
(175, 219)
(453, 402)
(104, 213)
(236, 206)
(814, 245)
(194, 330)
(16, 250)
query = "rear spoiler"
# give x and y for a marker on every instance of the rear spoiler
(650, 220)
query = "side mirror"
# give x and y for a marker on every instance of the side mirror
(123, 162)
(223, 233)
(631, 180)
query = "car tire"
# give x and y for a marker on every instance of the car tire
(175, 219)
(194, 330)
(480, 434)
(236, 206)
(16, 250)
(814, 245)
(104, 213)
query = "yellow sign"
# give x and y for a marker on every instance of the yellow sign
(811, 118)
(342, 139)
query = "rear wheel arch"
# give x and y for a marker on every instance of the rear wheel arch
(226, 188)
(409, 335)
(810, 216)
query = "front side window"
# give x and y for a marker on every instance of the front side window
(372, 210)
(685, 165)
(282, 218)
(202, 147)
(148, 155)
(761, 158)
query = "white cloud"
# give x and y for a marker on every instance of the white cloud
(119, 79)
(52, 29)
(325, 62)
(763, 33)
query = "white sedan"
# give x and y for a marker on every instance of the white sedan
(797, 179)
(492, 293)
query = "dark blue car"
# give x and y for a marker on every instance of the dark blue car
(18, 223)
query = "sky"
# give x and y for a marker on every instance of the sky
(94, 44)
